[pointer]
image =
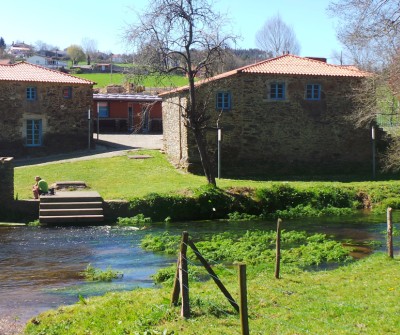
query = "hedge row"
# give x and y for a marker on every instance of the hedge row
(213, 203)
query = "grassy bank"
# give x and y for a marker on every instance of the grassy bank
(156, 189)
(360, 298)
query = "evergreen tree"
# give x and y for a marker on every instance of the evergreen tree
(2, 43)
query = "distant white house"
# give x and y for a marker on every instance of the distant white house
(46, 62)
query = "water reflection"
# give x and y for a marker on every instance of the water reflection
(40, 266)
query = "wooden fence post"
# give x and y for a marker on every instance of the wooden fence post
(278, 249)
(244, 317)
(183, 276)
(176, 290)
(389, 233)
(214, 276)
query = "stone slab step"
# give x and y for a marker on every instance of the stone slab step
(71, 218)
(71, 204)
(70, 211)
(72, 196)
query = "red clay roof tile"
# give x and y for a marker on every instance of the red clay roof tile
(34, 73)
(295, 65)
(287, 65)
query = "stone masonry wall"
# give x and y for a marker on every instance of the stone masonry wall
(289, 135)
(6, 180)
(175, 132)
(64, 120)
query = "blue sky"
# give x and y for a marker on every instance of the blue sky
(64, 23)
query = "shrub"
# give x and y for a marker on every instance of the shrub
(93, 274)
(137, 220)
(281, 197)
(236, 216)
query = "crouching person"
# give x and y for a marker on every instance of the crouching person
(40, 187)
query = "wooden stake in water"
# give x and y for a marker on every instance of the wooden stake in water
(389, 233)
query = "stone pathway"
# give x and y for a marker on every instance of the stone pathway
(109, 145)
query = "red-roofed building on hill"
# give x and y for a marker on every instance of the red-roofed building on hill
(42, 110)
(282, 115)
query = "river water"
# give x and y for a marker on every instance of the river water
(40, 266)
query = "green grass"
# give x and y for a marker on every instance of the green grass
(360, 298)
(114, 178)
(104, 79)
(123, 178)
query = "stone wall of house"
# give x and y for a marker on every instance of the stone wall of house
(292, 135)
(64, 120)
(175, 132)
(6, 180)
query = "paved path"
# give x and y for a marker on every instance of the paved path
(109, 145)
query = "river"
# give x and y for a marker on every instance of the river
(40, 266)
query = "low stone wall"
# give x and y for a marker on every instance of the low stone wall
(6, 180)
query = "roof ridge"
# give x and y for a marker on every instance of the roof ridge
(54, 71)
(39, 74)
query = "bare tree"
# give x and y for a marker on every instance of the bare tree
(187, 37)
(370, 31)
(89, 47)
(277, 38)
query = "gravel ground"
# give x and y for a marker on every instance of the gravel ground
(10, 326)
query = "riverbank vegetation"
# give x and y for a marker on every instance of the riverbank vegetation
(299, 251)
(359, 298)
(155, 189)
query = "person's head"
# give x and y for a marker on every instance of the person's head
(37, 178)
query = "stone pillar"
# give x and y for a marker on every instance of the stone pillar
(6, 180)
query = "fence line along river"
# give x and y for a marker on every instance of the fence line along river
(40, 266)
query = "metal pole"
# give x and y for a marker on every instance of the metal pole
(98, 123)
(89, 129)
(373, 152)
(219, 152)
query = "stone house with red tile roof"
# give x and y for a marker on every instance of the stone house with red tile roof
(282, 115)
(42, 111)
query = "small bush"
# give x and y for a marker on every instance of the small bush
(161, 243)
(35, 223)
(236, 216)
(93, 274)
(137, 220)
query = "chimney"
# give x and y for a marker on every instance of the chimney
(319, 59)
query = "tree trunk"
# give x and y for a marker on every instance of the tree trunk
(205, 159)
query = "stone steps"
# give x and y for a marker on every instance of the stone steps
(71, 207)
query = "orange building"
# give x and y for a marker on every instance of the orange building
(132, 113)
